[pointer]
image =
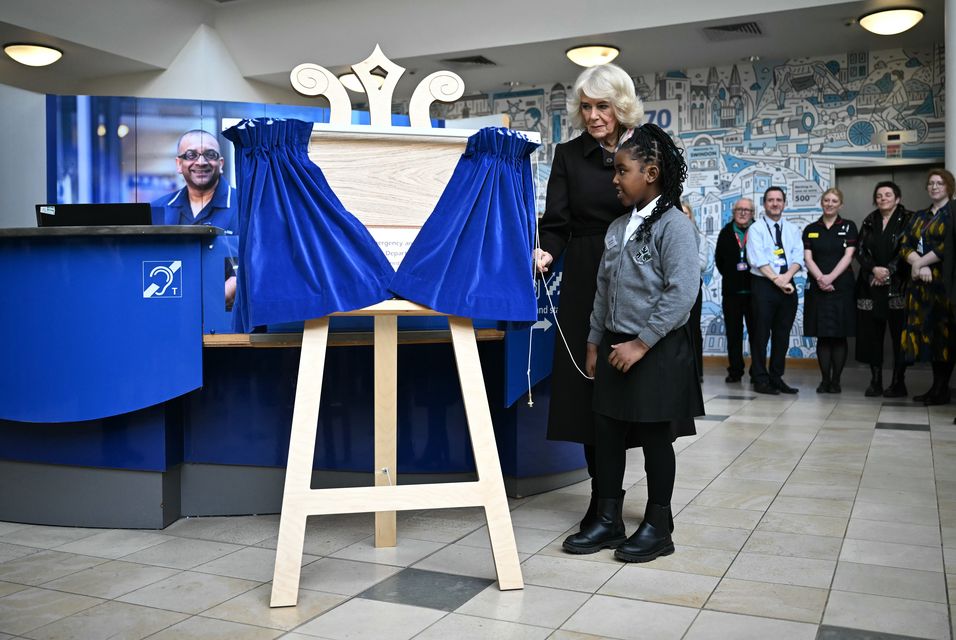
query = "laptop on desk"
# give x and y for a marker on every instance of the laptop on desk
(93, 215)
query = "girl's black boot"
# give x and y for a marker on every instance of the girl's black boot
(605, 532)
(652, 539)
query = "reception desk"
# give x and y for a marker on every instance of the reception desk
(126, 401)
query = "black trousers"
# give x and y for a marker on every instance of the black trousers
(869, 336)
(737, 310)
(773, 315)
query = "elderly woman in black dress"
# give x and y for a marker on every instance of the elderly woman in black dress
(581, 203)
(880, 287)
(828, 307)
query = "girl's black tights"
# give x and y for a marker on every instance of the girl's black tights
(610, 459)
(831, 355)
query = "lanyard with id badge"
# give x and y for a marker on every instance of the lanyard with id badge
(742, 262)
(779, 255)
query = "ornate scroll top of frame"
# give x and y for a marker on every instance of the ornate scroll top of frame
(313, 80)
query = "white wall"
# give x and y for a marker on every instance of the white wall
(22, 156)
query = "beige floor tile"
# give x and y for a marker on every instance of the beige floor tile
(895, 480)
(618, 618)
(250, 563)
(114, 544)
(877, 580)
(29, 609)
(803, 524)
(910, 618)
(473, 628)
(901, 532)
(547, 519)
(188, 592)
(528, 540)
(819, 491)
(326, 540)
(760, 468)
(787, 602)
(804, 572)
(109, 621)
(560, 501)
(774, 543)
(462, 560)
(6, 588)
(542, 606)
(10, 527)
(702, 535)
(718, 517)
(905, 498)
(360, 619)
(43, 537)
(554, 550)
(344, 577)
(408, 551)
(232, 530)
(748, 501)
(715, 625)
(182, 553)
(568, 572)
(13, 551)
(37, 568)
(891, 554)
(199, 628)
(698, 560)
(811, 506)
(841, 478)
(111, 579)
(668, 587)
(252, 607)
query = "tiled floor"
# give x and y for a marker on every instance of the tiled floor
(811, 516)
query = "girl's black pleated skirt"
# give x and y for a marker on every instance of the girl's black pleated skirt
(663, 387)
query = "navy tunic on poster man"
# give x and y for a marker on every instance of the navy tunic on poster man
(222, 210)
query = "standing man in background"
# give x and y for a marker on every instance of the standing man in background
(775, 255)
(730, 258)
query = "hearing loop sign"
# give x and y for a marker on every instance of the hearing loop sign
(162, 279)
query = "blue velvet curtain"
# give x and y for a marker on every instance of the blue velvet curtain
(302, 255)
(472, 257)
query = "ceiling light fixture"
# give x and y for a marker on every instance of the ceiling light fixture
(888, 22)
(351, 82)
(592, 55)
(32, 55)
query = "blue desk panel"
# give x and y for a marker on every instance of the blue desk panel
(98, 325)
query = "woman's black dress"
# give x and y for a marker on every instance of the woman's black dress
(830, 314)
(581, 203)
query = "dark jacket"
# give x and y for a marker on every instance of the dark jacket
(726, 258)
(881, 248)
(581, 200)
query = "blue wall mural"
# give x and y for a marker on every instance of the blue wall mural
(745, 127)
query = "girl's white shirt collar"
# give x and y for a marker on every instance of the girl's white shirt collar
(638, 216)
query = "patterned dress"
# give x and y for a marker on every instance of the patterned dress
(928, 332)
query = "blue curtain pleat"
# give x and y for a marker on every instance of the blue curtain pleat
(473, 256)
(302, 255)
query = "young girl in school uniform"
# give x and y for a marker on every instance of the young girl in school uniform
(640, 349)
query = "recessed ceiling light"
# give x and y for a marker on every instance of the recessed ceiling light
(351, 82)
(889, 22)
(592, 55)
(32, 55)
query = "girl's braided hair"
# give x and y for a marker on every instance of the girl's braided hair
(651, 145)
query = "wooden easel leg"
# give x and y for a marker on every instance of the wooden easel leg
(482, 433)
(386, 411)
(298, 475)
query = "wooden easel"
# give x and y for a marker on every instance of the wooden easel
(299, 500)
(391, 179)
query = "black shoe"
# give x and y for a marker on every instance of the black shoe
(783, 387)
(934, 399)
(875, 390)
(606, 532)
(834, 388)
(651, 540)
(591, 514)
(732, 378)
(823, 387)
(921, 397)
(897, 388)
(766, 387)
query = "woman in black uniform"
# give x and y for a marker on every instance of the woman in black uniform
(829, 311)
(581, 203)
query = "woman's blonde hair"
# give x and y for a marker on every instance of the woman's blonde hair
(834, 191)
(606, 82)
